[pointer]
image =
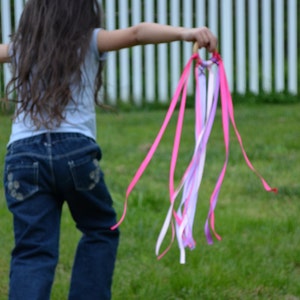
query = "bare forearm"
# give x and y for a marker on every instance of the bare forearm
(153, 33)
(141, 34)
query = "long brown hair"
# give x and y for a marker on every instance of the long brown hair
(48, 49)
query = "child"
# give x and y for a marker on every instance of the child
(52, 156)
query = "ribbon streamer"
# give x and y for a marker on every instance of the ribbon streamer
(206, 99)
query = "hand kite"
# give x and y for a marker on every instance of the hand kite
(206, 99)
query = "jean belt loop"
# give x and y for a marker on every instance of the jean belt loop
(48, 138)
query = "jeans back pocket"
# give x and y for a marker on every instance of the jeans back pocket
(85, 172)
(21, 180)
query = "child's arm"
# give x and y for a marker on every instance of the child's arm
(152, 33)
(4, 57)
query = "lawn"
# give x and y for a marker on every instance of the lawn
(259, 255)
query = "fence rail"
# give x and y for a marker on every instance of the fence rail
(258, 40)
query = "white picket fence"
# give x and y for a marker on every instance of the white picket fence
(257, 40)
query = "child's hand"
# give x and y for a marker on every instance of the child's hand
(203, 36)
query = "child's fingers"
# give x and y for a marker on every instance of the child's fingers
(207, 40)
(210, 46)
(203, 37)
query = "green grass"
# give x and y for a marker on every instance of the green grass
(259, 255)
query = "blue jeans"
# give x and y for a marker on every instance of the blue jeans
(41, 173)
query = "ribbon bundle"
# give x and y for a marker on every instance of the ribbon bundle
(206, 99)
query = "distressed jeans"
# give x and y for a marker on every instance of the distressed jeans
(41, 173)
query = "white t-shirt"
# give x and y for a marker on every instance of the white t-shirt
(80, 117)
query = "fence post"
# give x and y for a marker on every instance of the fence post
(266, 46)
(163, 91)
(279, 45)
(253, 46)
(227, 39)
(292, 47)
(175, 47)
(213, 18)
(201, 18)
(124, 54)
(111, 75)
(19, 5)
(136, 77)
(149, 57)
(6, 31)
(240, 46)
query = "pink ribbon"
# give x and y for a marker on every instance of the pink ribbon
(206, 98)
